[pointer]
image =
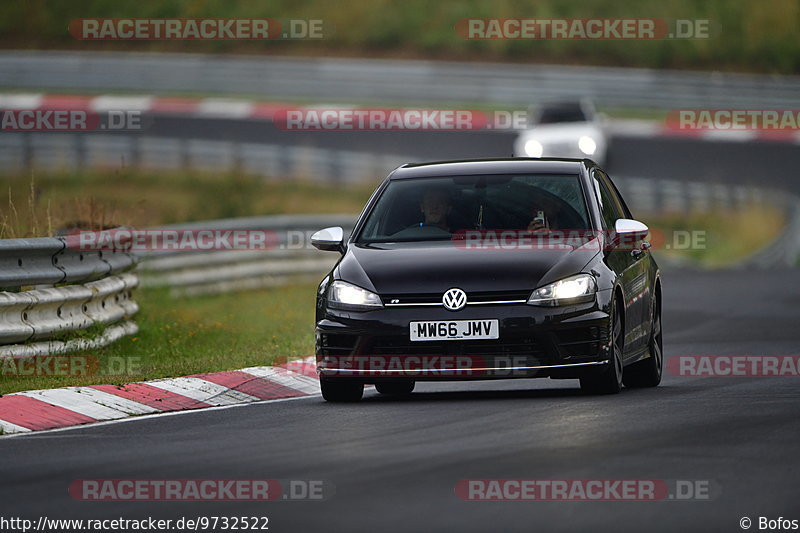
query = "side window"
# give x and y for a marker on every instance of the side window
(610, 207)
(615, 192)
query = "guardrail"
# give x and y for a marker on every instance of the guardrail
(50, 291)
(392, 81)
(203, 272)
(646, 196)
(783, 251)
(80, 151)
(649, 195)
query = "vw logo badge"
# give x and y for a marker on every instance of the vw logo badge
(454, 299)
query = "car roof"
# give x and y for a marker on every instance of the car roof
(528, 165)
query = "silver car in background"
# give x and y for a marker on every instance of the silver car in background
(564, 129)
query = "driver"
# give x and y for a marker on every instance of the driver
(436, 207)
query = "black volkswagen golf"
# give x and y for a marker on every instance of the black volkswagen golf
(490, 269)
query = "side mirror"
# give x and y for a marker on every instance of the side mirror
(329, 239)
(629, 232)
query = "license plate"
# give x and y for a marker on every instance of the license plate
(449, 330)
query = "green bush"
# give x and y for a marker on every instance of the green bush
(752, 36)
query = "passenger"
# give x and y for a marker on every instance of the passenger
(545, 215)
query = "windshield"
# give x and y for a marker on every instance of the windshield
(554, 114)
(436, 208)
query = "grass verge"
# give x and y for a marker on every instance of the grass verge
(718, 238)
(178, 337)
(36, 206)
(745, 36)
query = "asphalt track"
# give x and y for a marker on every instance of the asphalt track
(395, 463)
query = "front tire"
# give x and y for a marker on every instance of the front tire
(341, 391)
(610, 381)
(647, 373)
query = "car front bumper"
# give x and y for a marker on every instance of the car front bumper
(372, 346)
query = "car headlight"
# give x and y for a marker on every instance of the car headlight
(587, 145)
(572, 290)
(533, 148)
(348, 296)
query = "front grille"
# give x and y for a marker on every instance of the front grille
(406, 299)
(402, 346)
(581, 342)
(513, 346)
(337, 344)
(498, 296)
(560, 147)
(510, 347)
(472, 297)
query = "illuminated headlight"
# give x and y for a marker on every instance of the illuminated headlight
(572, 290)
(587, 145)
(347, 296)
(534, 148)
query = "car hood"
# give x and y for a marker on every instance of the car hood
(408, 268)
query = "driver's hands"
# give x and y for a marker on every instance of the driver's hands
(539, 223)
(536, 225)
